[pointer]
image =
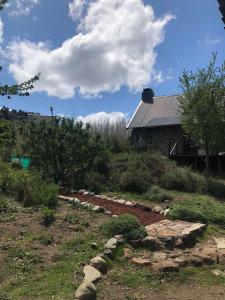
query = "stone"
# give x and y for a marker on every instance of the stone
(221, 256)
(94, 246)
(220, 243)
(168, 265)
(86, 291)
(91, 274)
(109, 198)
(86, 205)
(111, 244)
(168, 232)
(157, 209)
(108, 254)
(127, 253)
(193, 260)
(129, 203)
(107, 213)
(166, 211)
(159, 256)
(92, 194)
(181, 261)
(74, 201)
(63, 198)
(119, 238)
(218, 273)
(98, 209)
(99, 263)
(121, 201)
(151, 243)
(82, 191)
(210, 250)
(206, 259)
(87, 193)
(114, 216)
(141, 261)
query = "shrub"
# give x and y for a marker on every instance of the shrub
(199, 208)
(183, 179)
(45, 239)
(156, 194)
(5, 177)
(127, 225)
(48, 216)
(32, 190)
(4, 207)
(216, 188)
(95, 181)
(133, 182)
(16, 165)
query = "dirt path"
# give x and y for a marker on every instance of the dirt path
(146, 217)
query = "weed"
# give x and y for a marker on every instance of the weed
(48, 216)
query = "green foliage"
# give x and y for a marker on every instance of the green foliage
(45, 239)
(156, 194)
(4, 207)
(5, 177)
(32, 190)
(7, 139)
(48, 216)
(199, 208)
(216, 188)
(62, 149)
(16, 165)
(133, 181)
(95, 181)
(203, 107)
(183, 179)
(127, 225)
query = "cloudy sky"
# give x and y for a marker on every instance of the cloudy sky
(95, 56)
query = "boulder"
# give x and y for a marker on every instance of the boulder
(107, 254)
(159, 256)
(151, 243)
(86, 291)
(141, 261)
(99, 263)
(111, 244)
(91, 274)
(168, 265)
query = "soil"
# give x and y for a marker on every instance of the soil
(144, 215)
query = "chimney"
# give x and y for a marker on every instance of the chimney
(147, 95)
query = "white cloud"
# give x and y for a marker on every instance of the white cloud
(208, 42)
(101, 118)
(76, 8)
(115, 47)
(21, 7)
(1, 30)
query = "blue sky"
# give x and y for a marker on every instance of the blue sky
(102, 67)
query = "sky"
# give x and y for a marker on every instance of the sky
(96, 56)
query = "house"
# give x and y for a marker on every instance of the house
(156, 125)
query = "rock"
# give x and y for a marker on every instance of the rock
(114, 216)
(193, 260)
(141, 261)
(107, 213)
(121, 201)
(210, 250)
(87, 193)
(86, 205)
(159, 256)
(157, 209)
(168, 232)
(108, 254)
(74, 201)
(73, 191)
(119, 238)
(63, 198)
(86, 291)
(91, 274)
(98, 209)
(218, 273)
(127, 253)
(220, 243)
(109, 198)
(82, 191)
(168, 265)
(92, 194)
(99, 263)
(129, 203)
(111, 244)
(94, 246)
(166, 211)
(221, 256)
(181, 261)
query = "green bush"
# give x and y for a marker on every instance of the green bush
(183, 179)
(4, 207)
(127, 225)
(30, 189)
(16, 165)
(95, 181)
(216, 188)
(48, 216)
(199, 208)
(5, 177)
(156, 194)
(133, 182)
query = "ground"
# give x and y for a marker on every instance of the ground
(39, 262)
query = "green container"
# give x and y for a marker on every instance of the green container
(24, 161)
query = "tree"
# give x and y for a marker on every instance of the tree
(21, 89)
(203, 107)
(62, 148)
(7, 139)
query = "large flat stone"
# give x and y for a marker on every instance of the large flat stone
(170, 232)
(91, 274)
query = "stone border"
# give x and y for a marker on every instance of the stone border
(157, 209)
(96, 269)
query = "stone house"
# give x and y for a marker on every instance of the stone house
(156, 125)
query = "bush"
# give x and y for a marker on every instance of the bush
(4, 207)
(133, 182)
(199, 208)
(183, 179)
(32, 190)
(156, 194)
(5, 177)
(48, 216)
(127, 225)
(216, 188)
(16, 165)
(95, 181)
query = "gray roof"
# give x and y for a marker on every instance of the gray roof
(164, 111)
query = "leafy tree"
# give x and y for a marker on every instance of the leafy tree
(21, 89)
(7, 139)
(62, 148)
(203, 107)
